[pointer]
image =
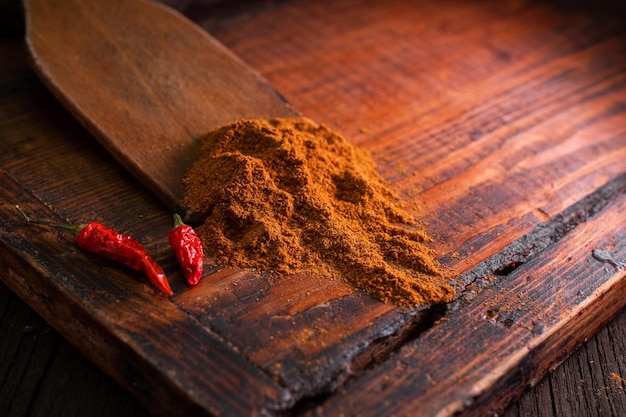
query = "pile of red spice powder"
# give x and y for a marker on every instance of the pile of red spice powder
(289, 195)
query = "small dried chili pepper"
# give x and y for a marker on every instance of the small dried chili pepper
(188, 249)
(101, 240)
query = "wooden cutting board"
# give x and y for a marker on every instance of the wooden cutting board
(501, 125)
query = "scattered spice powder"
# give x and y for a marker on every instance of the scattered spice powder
(289, 195)
(618, 380)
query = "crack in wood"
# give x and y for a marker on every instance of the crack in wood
(546, 234)
(377, 352)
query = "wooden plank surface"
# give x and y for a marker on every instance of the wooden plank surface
(43, 375)
(509, 169)
(532, 318)
(472, 125)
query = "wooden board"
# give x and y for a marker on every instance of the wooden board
(505, 138)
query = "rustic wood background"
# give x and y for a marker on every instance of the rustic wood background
(573, 54)
(42, 375)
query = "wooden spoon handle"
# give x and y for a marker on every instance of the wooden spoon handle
(145, 81)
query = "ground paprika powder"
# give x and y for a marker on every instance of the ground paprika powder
(288, 195)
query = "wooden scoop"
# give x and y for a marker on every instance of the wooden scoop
(145, 81)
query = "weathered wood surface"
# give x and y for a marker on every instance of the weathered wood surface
(471, 123)
(43, 376)
(532, 319)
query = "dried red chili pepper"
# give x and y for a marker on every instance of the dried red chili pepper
(97, 238)
(101, 240)
(188, 249)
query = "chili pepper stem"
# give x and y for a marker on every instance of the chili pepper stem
(73, 227)
(178, 221)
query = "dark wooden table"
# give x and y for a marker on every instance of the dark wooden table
(44, 376)
(41, 374)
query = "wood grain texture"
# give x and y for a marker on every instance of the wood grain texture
(43, 376)
(507, 205)
(593, 377)
(535, 315)
(507, 168)
(132, 73)
(461, 117)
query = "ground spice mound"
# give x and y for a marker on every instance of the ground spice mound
(289, 195)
